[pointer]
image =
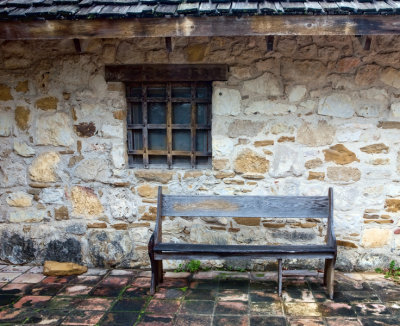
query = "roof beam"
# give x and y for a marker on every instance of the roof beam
(201, 26)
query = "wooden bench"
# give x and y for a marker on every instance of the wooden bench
(243, 206)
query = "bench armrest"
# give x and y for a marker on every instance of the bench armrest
(158, 227)
(331, 239)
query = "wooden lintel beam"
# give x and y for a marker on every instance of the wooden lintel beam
(201, 26)
(77, 45)
(270, 43)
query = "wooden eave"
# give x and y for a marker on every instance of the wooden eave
(201, 26)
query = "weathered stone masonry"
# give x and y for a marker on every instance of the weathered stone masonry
(315, 112)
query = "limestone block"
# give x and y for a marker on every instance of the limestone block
(5, 93)
(268, 107)
(93, 169)
(226, 101)
(340, 155)
(297, 93)
(85, 202)
(368, 109)
(52, 196)
(392, 205)
(76, 228)
(146, 190)
(119, 156)
(26, 215)
(391, 77)
(316, 175)
(162, 176)
(122, 203)
(22, 87)
(14, 173)
(319, 135)
(337, 105)
(367, 75)
(347, 64)
(281, 128)
(347, 134)
(307, 107)
(220, 164)
(61, 213)
(47, 103)
(23, 149)
(288, 161)
(22, 117)
(265, 85)
(19, 199)
(53, 268)
(43, 167)
(250, 162)
(262, 143)
(6, 121)
(222, 146)
(395, 110)
(244, 128)
(112, 131)
(375, 238)
(375, 149)
(54, 129)
(199, 233)
(314, 163)
(343, 174)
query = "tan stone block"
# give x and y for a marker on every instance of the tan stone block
(120, 226)
(380, 161)
(249, 221)
(307, 225)
(148, 217)
(233, 230)
(281, 128)
(392, 205)
(346, 244)
(375, 149)
(375, 238)
(316, 175)
(218, 228)
(85, 129)
(5, 93)
(262, 143)
(61, 213)
(53, 268)
(196, 52)
(391, 77)
(162, 176)
(274, 225)
(119, 115)
(319, 135)
(253, 176)
(97, 225)
(285, 139)
(389, 124)
(267, 152)
(345, 174)
(140, 225)
(192, 174)
(47, 103)
(233, 181)
(43, 167)
(340, 155)
(223, 175)
(19, 199)
(347, 64)
(220, 164)
(250, 162)
(22, 115)
(85, 202)
(74, 159)
(367, 75)
(22, 87)
(147, 191)
(314, 163)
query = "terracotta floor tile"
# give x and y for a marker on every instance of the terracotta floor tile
(380, 321)
(122, 272)
(334, 309)
(200, 294)
(231, 308)
(45, 289)
(6, 299)
(126, 304)
(36, 269)
(46, 317)
(197, 307)
(302, 309)
(371, 309)
(163, 306)
(233, 295)
(58, 279)
(205, 284)
(193, 320)
(231, 320)
(306, 322)
(297, 295)
(87, 279)
(63, 303)
(155, 320)
(14, 316)
(96, 271)
(340, 321)
(262, 296)
(267, 321)
(266, 308)
(73, 290)
(120, 281)
(120, 319)
(32, 302)
(107, 291)
(142, 282)
(83, 318)
(16, 268)
(136, 292)
(29, 278)
(2, 284)
(99, 304)
(2, 266)
(16, 288)
(167, 293)
(174, 283)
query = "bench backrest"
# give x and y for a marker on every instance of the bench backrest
(246, 206)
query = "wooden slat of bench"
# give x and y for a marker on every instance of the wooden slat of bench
(246, 206)
(236, 249)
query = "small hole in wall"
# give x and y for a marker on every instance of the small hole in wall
(220, 93)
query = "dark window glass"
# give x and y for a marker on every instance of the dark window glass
(157, 139)
(181, 113)
(181, 140)
(156, 113)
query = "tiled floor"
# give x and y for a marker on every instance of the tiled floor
(120, 297)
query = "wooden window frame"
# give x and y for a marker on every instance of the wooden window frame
(169, 127)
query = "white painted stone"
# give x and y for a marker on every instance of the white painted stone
(23, 149)
(54, 129)
(393, 189)
(395, 110)
(52, 196)
(269, 108)
(12, 173)
(379, 174)
(26, 215)
(374, 191)
(118, 155)
(337, 105)
(222, 146)
(297, 93)
(121, 203)
(345, 198)
(346, 134)
(112, 131)
(6, 122)
(226, 101)
(19, 199)
(265, 85)
(201, 234)
(368, 109)
(93, 169)
(307, 107)
(287, 161)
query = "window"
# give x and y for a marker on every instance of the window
(169, 124)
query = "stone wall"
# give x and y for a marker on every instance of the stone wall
(315, 112)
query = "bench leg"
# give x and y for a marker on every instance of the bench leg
(329, 276)
(160, 271)
(280, 277)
